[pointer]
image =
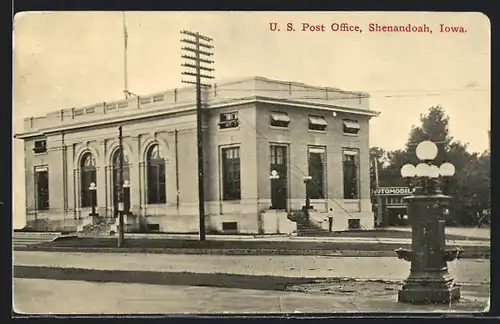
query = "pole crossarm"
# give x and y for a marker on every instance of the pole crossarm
(197, 35)
(194, 67)
(189, 41)
(193, 82)
(188, 57)
(198, 75)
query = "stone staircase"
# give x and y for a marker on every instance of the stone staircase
(99, 227)
(317, 225)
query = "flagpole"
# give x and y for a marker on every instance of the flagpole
(125, 39)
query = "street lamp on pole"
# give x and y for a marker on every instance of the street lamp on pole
(92, 194)
(429, 280)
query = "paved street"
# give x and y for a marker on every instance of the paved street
(383, 268)
(22, 239)
(35, 296)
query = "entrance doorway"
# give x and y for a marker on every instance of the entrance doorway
(117, 184)
(279, 184)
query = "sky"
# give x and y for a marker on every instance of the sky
(72, 59)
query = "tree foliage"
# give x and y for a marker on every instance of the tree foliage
(469, 187)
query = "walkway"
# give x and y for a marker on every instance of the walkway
(35, 296)
(382, 268)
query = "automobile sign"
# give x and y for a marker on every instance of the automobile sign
(392, 191)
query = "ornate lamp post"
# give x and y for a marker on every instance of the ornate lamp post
(429, 280)
(92, 193)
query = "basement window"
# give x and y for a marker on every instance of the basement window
(317, 123)
(229, 120)
(230, 227)
(40, 146)
(351, 127)
(280, 119)
(354, 223)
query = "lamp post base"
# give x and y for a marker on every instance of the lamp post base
(429, 288)
(429, 295)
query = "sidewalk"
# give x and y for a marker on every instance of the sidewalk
(476, 271)
(161, 284)
(34, 296)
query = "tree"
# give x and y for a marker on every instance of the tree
(469, 187)
(434, 126)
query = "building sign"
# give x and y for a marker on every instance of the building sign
(392, 191)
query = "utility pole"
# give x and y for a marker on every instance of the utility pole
(198, 41)
(120, 190)
(377, 186)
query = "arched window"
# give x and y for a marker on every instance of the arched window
(116, 175)
(156, 176)
(88, 175)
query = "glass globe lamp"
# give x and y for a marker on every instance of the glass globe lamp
(447, 169)
(422, 170)
(434, 171)
(426, 151)
(408, 171)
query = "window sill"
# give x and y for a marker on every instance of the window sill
(279, 128)
(229, 129)
(317, 131)
(346, 200)
(351, 135)
(156, 205)
(40, 153)
(231, 201)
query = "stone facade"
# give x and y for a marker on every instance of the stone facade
(169, 120)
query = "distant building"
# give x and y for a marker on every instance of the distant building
(251, 127)
(393, 207)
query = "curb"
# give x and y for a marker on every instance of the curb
(64, 237)
(240, 252)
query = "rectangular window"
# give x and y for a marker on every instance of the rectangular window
(317, 123)
(316, 159)
(42, 188)
(40, 146)
(230, 226)
(350, 127)
(79, 112)
(350, 165)
(231, 185)
(280, 119)
(229, 120)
